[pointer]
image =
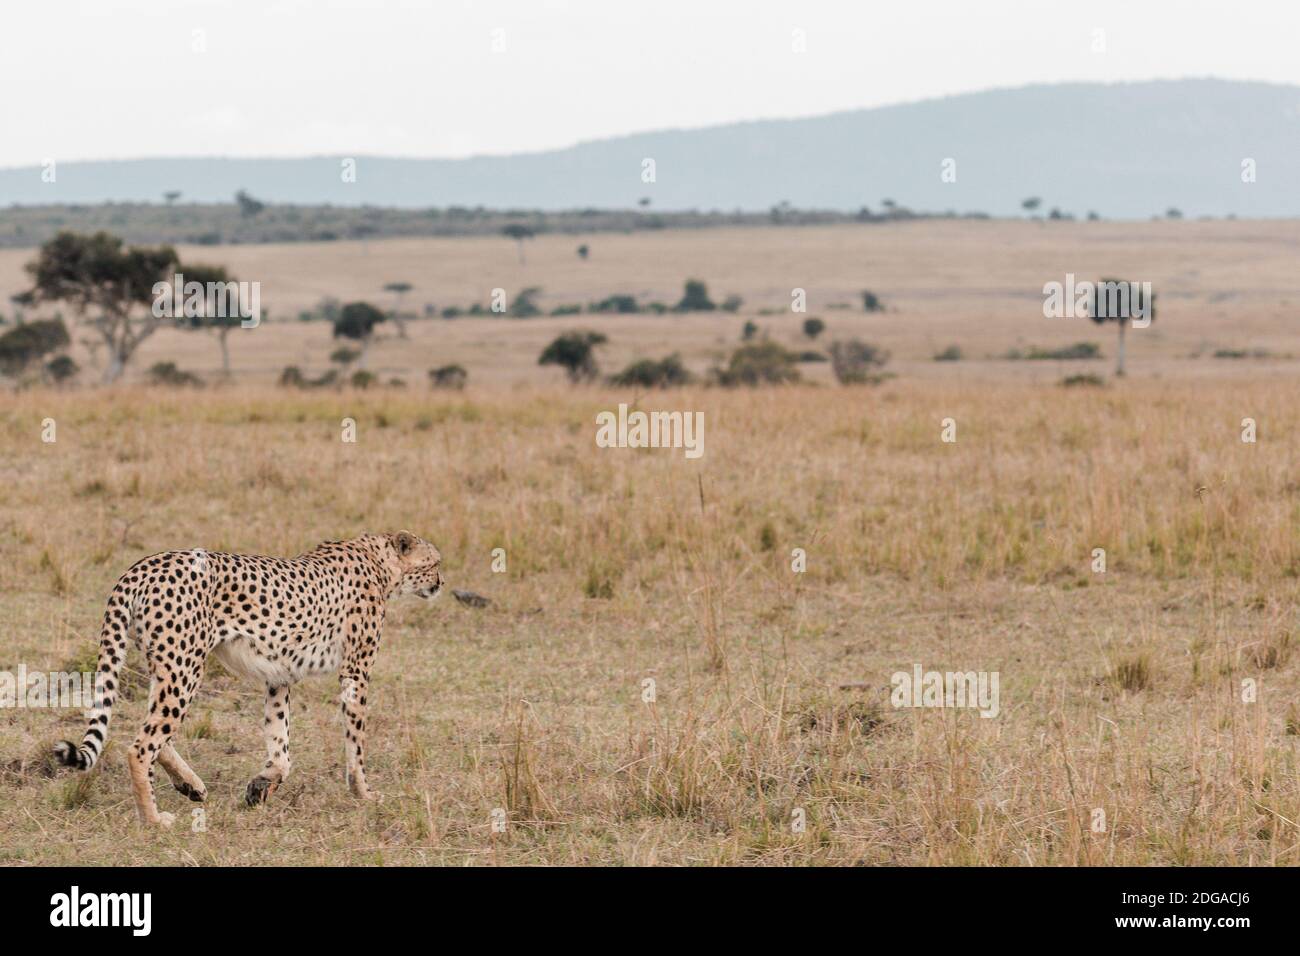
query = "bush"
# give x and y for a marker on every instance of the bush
(1089, 380)
(732, 303)
(362, 379)
(61, 369)
(853, 361)
(619, 304)
(28, 343)
(292, 377)
(813, 327)
(1079, 350)
(663, 373)
(871, 302)
(525, 307)
(764, 363)
(952, 353)
(575, 352)
(166, 373)
(695, 298)
(328, 309)
(811, 356)
(449, 376)
(1242, 353)
(357, 321)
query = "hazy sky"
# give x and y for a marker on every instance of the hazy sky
(105, 79)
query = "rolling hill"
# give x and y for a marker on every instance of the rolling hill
(1124, 150)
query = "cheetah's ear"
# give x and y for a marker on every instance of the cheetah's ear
(403, 541)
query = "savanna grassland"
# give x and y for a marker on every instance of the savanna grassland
(1120, 691)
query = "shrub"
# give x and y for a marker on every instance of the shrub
(1242, 353)
(362, 379)
(695, 298)
(575, 352)
(813, 327)
(357, 321)
(1087, 380)
(732, 303)
(28, 343)
(748, 330)
(1079, 350)
(763, 363)
(853, 361)
(651, 373)
(525, 307)
(292, 377)
(166, 373)
(871, 302)
(61, 369)
(620, 304)
(952, 353)
(449, 376)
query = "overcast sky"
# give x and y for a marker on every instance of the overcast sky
(109, 79)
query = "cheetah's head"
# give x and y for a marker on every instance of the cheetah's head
(421, 565)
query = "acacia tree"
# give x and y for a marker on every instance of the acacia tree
(209, 318)
(248, 206)
(108, 286)
(356, 322)
(518, 233)
(399, 289)
(1119, 302)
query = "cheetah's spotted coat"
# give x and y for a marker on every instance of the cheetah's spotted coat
(275, 620)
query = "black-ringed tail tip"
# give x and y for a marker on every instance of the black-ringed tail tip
(69, 754)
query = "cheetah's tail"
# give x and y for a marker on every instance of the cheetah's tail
(112, 652)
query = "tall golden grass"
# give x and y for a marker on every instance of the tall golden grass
(1121, 692)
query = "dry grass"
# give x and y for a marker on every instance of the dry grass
(1120, 691)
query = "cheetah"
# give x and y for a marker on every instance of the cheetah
(274, 620)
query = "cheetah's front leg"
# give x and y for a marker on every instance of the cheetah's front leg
(354, 685)
(185, 780)
(276, 725)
